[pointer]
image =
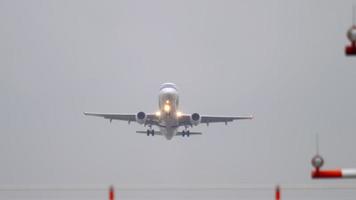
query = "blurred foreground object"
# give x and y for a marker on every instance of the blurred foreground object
(111, 193)
(278, 193)
(350, 50)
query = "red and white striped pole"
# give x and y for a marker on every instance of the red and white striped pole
(336, 173)
(111, 193)
(318, 173)
(278, 193)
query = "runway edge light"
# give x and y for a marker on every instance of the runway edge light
(111, 193)
(278, 192)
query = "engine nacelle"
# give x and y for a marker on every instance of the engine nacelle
(195, 119)
(141, 117)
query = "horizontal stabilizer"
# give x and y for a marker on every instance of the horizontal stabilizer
(178, 133)
(190, 133)
(145, 132)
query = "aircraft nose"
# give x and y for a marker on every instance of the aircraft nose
(169, 91)
(169, 137)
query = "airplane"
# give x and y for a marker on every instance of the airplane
(168, 119)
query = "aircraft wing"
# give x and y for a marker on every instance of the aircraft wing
(216, 119)
(151, 118)
(207, 119)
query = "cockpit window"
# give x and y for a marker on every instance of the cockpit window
(168, 85)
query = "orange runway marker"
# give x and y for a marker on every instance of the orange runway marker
(111, 193)
(278, 193)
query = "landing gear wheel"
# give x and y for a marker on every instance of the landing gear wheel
(150, 132)
(186, 133)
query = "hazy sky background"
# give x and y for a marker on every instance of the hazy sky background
(282, 61)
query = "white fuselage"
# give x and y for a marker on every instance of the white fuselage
(168, 118)
(168, 106)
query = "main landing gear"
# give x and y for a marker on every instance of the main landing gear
(185, 133)
(150, 132)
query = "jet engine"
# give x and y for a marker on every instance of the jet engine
(141, 117)
(195, 119)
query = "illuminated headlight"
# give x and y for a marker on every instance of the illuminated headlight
(179, 114)
(158, 113)
(167, 108)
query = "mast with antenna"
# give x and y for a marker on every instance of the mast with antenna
(353, 15)
(318, 162)
(317, 144)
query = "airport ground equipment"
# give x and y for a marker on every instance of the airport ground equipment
(111, 193)
(278, 193)
(318, 161)
(318, 173)
(350, 50)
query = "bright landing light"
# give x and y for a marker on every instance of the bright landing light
(167, 108)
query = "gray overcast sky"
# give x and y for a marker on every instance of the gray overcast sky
(281, 61)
